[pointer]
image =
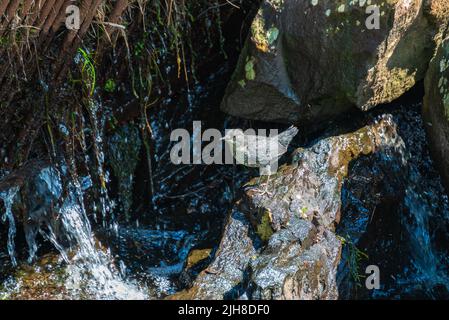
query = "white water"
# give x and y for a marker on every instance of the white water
(90, 272)
(8, 200)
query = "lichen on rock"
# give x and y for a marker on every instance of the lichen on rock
(317, 59)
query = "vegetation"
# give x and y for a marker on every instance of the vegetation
(57, 108)
(355, 257)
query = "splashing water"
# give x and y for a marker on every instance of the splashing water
(91, 271)
(396, 210)
(427, 205)
(8, 199)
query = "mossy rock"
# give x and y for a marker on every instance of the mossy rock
(310, 60)
(44, 280)
(436, 107)
(197, 256)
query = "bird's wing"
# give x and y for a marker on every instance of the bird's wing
(287, 136)
(265, 150)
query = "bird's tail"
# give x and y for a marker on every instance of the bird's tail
(287, 136)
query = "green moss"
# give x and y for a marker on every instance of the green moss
(398, 80)
(304, 212)
(264, 229)
(110, 86)
(277, 5)
(196, 256)
(250, 73)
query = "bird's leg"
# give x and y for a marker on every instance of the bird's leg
(265, 191)
(267, 183)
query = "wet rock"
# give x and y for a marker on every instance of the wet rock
(308, 60)
(224, 275)
(50, 277)
(280, 244)
(197, 261)
(43, 280)
(196, 256)
(436, 106)
(299, 262)
(38, 187)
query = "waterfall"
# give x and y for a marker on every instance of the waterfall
(427, 205)
(422, 205)
(396, 210)
(8, 200)
(91, 271)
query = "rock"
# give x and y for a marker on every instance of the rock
(224, 275)
(309, 60)
(38, 191)
(20, 176)
(44, 280)
(196, 256)
(436, 107)
(299, 262)
(197, 260)
(281, 244)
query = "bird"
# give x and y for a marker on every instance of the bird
(259, 151)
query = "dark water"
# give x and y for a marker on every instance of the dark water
(394, 207)
(186, 209)
(189, 202)
(395, 210)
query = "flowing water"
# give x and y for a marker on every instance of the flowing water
(142, 249)
(8, 198)
(89, 270)
(396, 210)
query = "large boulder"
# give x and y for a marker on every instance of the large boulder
(309, 60)
(281, 244)
(436, 100)
(436, 107)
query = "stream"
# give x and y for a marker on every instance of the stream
(395, 210)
